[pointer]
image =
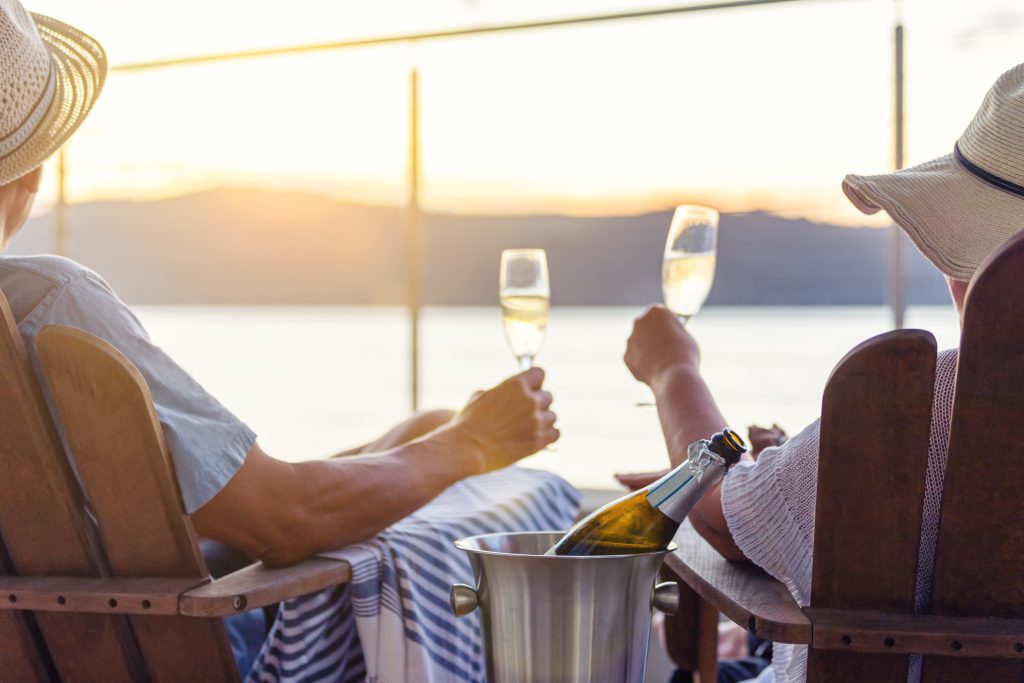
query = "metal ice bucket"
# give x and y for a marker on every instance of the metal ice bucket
(553, 619)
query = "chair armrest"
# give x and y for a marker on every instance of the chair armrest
(742, 592)
(248, 588)
(257, 586)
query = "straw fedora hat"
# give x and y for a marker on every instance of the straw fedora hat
(960, 208)
(50, 76)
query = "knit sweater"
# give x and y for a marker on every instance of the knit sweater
(769, 507)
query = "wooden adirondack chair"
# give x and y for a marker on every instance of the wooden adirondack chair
(860, 625)
(126, 598)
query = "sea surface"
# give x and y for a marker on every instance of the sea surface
(314, 381)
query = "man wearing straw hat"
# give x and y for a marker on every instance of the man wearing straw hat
(957, 209)
(50, 77)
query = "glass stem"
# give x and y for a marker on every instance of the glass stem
(525, 363)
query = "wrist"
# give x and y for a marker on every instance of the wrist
(680, 370)
(464, 447)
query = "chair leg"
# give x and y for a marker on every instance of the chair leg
(691, 636)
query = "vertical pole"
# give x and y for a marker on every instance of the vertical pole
(60, 210)
(897, 295)
(412, 238)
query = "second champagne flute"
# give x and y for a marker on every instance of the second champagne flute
(525, 295)
(688, 264)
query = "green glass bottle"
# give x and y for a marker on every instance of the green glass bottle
(647, 520)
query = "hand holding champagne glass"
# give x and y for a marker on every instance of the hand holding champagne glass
(525, 298)
(525, 294)
(688, 264)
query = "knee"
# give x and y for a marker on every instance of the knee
(420, 424)
(427, 421)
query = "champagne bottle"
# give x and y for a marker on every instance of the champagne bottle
(647, 520)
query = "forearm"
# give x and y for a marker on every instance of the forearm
(282, 513)
(686, 408)
(688, 412)
(348, 500)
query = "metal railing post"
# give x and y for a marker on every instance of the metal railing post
(412, 238)
(60, 209)
(897, 293)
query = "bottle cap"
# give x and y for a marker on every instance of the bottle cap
(729, 445)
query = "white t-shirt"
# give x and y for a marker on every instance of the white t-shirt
(207, 442)
(769, 507)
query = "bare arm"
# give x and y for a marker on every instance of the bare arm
(663, 355)
(282, 513)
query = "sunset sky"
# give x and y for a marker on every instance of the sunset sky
(761, 108)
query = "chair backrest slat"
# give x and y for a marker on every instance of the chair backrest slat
(23, 654)
(43, 522)
(112, 431)
(21, 659)
(876, 415)
(979, 562)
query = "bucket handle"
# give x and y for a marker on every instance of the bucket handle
(664, 598)
(464, 599)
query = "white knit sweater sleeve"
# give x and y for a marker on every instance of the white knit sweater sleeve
(769, 507)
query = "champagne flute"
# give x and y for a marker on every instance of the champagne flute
(525, 295)
(688, 265)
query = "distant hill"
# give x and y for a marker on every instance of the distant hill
(232, 246)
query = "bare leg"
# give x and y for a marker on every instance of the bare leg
(418, 425)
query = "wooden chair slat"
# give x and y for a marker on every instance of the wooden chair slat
(99, 596)
(979, 562)
(123, 462)
(42, 520)
(23, 653)
(875, 424)
(883, 632)
(21, 659)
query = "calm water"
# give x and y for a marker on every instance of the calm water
(312, 381)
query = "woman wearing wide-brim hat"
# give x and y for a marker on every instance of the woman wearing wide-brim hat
(957, 209)
(280, 512)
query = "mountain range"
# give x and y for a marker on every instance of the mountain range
(248, 246)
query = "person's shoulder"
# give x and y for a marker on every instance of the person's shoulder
(54, 271)
(31, 284)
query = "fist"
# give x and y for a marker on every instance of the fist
(658, 342)
(761, 438)
(509, 421)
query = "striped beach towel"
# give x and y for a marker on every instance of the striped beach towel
(392, 623)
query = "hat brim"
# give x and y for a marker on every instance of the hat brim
(954, 218)
(80, 69)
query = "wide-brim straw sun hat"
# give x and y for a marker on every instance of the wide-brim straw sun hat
(50, 77)
(960, 208)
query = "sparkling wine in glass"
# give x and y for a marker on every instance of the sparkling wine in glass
(688, 268)
(525, 296)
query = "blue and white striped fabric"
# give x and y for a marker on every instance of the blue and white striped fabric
(393, 623)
